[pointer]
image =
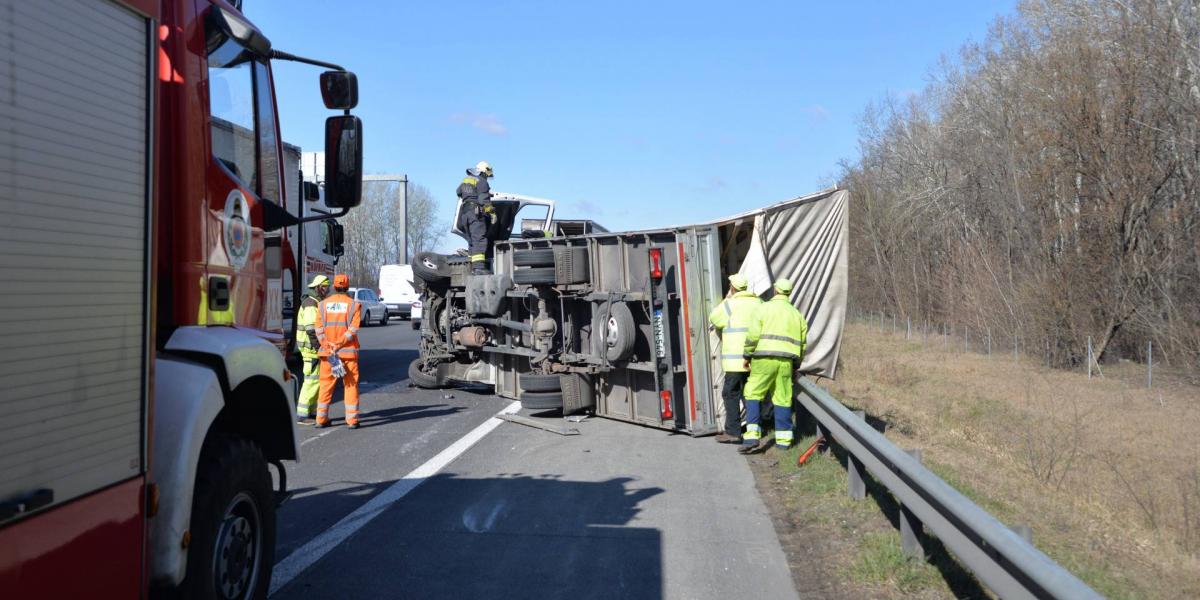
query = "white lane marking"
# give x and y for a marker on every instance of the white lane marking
(308, 554)
(317, 437)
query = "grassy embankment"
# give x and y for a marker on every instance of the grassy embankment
(1106, 472)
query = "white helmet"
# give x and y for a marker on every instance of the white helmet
(484, 168)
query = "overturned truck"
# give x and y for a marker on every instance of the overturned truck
(617, 323)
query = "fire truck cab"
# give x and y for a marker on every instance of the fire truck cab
(146, 391)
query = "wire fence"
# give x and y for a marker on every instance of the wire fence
(994, 344)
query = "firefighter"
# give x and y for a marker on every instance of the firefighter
(338, 319)
(306, 340)
(773, 350)
(732, 318)
(477, 215)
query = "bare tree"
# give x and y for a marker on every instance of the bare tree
(425, 230)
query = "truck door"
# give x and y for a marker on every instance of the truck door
(244, 274)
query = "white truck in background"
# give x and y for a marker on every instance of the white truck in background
(398, 292)
(316, 246)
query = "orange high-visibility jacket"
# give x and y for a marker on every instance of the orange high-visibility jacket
(338, 318)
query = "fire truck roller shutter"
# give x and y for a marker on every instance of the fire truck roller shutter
(74, 189)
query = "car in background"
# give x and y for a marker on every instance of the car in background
(396, 290)
(373, 311)
(417, 309)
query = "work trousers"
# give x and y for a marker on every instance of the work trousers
(733, 393)
(769, 376)
(475, 225)
(349, 391)
(306, 404)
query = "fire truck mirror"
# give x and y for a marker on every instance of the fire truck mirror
(335, 244)
(339, 90)
(225, 24)
(343, 161)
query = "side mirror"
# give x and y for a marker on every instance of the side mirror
(335, 243)
(312, 192)
(235, 27)
(343, 161)
(339, 90)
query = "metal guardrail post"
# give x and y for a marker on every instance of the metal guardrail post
(1003, 560)
(855, 469)
(912, 531)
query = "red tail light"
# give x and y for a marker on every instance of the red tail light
(667, 413)
(656, 263)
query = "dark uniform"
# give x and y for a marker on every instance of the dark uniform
(475, 218)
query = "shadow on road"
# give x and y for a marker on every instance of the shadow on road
(511, 536)
(400, 414)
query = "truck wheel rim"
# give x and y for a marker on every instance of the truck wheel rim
(611, 335)
(429, 264)
(239, 542)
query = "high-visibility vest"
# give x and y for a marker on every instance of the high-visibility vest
(732, 317)
(306, 318)
(338, 318)
(777, 329)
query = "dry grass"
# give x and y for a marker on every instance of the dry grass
(1106, 472)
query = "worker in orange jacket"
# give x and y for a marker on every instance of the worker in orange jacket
(338, 319)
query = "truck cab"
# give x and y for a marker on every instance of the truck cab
(147, 210)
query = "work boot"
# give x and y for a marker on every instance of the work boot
(352, 426)
(305, 420)
(480, 267)
(725, 438)
(320, 425)
(748, 449)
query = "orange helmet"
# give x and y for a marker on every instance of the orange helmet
(341, 281)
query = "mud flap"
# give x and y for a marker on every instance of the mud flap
(578, 393)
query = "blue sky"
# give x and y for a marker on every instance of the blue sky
(635, 114)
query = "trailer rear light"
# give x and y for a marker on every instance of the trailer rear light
(667, 413)
(656, 264)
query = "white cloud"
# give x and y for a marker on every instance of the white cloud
(486, 123)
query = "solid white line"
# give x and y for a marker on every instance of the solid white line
(304, 557)
(317, 437)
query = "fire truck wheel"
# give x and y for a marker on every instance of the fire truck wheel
(431, 267)
(422, 379)
(232, 548)
(616, 334)
(538, 257)
(540, 383)
(541, 400)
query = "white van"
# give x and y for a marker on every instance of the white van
(396, 290)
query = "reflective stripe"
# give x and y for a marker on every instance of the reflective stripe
(342, 323)
(478, 257)
(318, 330)
(780, 338)
(736, 329)
(775, 354)
(732, 356)
(728, 311)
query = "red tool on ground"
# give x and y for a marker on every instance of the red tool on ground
(807, 453)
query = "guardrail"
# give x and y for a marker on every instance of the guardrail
(1004, 560)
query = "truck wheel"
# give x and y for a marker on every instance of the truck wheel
(614, 337)
(540, 257)
(422, 379)
(539, 383)
(534, 275)
(542, 400)
(431, 267)
(232, 550)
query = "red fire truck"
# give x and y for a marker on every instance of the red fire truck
(145, 393)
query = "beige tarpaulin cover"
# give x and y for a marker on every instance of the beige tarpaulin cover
(805, 240)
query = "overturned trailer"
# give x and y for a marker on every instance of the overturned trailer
(617, 323)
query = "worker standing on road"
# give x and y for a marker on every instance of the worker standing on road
(477, 215)
(732, 318)
(309, 344)
(774, 347)
(338, 319)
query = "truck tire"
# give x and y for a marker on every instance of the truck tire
(422, 379)
(539, 257)
(534, 275)
(232, 549)
(542, 400)
(431, 267)
(614, 338)
(539, 383)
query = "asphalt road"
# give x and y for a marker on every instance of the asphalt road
(405, 507)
